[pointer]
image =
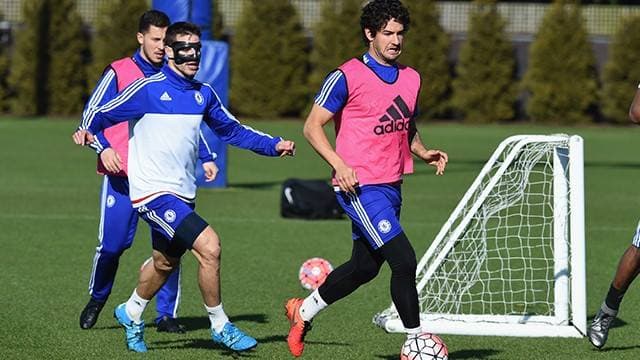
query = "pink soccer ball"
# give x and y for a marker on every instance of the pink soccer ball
(425, 346)
(314, 272)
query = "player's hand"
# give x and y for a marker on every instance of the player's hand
(438, 159)
(346, 178)
(82, 137)
(286, 147)
(111, 160)
(210, 171)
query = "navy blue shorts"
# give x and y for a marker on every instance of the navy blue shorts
(374, 211)
(164, 215)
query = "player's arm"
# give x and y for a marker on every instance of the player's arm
(130, 104)
(634, 110)
(207, 157)
(315, 135)
(231, 131)
(106, 88)
(432, 157)
(330, 99)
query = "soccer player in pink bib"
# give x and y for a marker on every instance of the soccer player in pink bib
(373, 102)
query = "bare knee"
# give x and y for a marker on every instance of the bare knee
(164, 263)
(207, 248)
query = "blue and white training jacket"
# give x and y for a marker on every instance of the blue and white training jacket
(107, 89)
(164, 112)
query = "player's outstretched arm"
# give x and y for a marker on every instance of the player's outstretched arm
(433, 157)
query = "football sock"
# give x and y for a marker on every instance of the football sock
(411, 333)
(311, 306)
(135, 306)
(614, 298)
(217, 317)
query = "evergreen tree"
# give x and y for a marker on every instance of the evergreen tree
(561, 74)
(426, 48)
(115, 34)
(27, 76)
(484, 89)
(68, 49)
(621, 72)
(269, 60)
(217, 23)
(336, 38)
(4, 74)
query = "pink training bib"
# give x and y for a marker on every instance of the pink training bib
(372, 129)
(118, 135)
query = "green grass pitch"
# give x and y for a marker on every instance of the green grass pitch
(49, 216)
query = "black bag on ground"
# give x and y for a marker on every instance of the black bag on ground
(309, 199)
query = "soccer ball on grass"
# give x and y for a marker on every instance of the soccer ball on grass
(424, 346)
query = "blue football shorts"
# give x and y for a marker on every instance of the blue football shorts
(374, 211)
(164, 215)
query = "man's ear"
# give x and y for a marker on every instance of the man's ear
(140, 37)
(369, 34)
(168, 50)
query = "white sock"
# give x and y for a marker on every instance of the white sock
(312, 305)
(411, 333)
(135, 306)
(217, 317)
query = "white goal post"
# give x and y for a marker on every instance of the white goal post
(510, 260)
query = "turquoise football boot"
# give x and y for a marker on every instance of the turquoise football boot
(233, 338)
(134, 333)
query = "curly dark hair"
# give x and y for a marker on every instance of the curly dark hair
(377, 13)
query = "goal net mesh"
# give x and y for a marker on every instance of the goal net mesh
(501, 262)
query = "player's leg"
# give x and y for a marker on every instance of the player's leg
(374, 222)
(361, 268)
(162, 215)
(152, 276)
(628, 269)
(401, 258)
(167, 302)
(116, 231)
(205, 246)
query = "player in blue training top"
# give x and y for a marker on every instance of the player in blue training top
(118, 220)
(164, 112)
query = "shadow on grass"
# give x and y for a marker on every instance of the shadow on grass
(208, 344)
(460, 354)
(194, 323)
(616, 348)
(255, 185)
(202, 322)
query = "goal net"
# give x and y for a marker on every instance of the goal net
(509, 261)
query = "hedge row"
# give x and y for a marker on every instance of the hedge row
(276, 70)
